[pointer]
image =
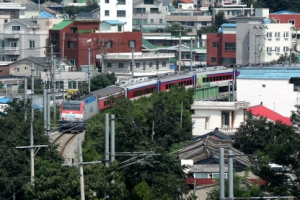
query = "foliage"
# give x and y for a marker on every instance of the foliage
(142, 191)
(102, 81)
(241, 188)
(219, 19)
(147, 124)
(1, 84)
(272, 142)
(38, 85)
(74, 10)
(174, 29)
(286, 57)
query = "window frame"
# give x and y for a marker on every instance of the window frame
(121, 13)
(215, 44)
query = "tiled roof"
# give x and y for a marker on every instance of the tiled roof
(36, 7)
(62, 25)
(263, 111)
(85, 14)
(148, 45)
(29, 21)
(285, 12)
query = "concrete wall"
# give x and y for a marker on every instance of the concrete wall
(257, 91)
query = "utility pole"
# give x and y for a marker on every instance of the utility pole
(132, 58)
(221, 173)
(53, 60)
(63, 45)
(112, 139)
(179, 48)
(48, 111)
(106, 140)
(31, 126)
(89, 63)
(153, 133)
(45, 110)
(81, 170)
(181, 107)
(290, 56)
(230, 175)
(25, 98)
(191, 55)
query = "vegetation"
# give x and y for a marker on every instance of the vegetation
(102, 81)
(74, 10)
(219, 19)
(286, 58)
(272, 142)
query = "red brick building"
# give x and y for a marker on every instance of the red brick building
(221, 49)
(72, 39)
(286, 16)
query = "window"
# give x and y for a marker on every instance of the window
(108, 64)
(269, 34)
(144, 65)
(160, 21)
(106, 1)
(73, 62)
(121, 1)
(152, 21)
(208, 1)
(73, 29)
(292, 22)
(286, 34)
(13, 44)
(148, 1)
(54, 37)
(13, 59)
(1, 43)
(13, 12)
(71, 84)
(163, 63)
(286, 49)
(215, 44)
(151, 64)
(119, 28)
(25, 68)
(137, 65)
(31, 44)
(277, 34)
(18, 69)
(109, 44)
(121, 13)
(230, 46)
(269, 49)
(71, 45)
(106, 12)
(15, 28)
(277, 49)
(5, 21)
(204, 23)
(153, 10)
(131, 43)
(157, 65)
(213, 59)
(121, 65)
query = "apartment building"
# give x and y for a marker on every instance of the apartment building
(22, 38)
(10, 11)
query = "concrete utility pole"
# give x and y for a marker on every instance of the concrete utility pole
(45, 110)
(179, 48)
(191, 55)
(230, 175)
(112, 139)
(54, 87)
(48, 111)
(25, 98)
(89, 63)
(221, 173)
(31, 126)
(132, 58)
(106, 139)
(82, 196)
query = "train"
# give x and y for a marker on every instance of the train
(74, 113)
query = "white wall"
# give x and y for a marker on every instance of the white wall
(238, 118)
(277, 95)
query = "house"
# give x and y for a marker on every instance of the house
(22, 38)
(226, 116)
(111, 26)
(277, 87)
(84, 16)
(122, 11)
(221, 46)
(33, 10)
(149, 14)
(261, 110)
(286, 16)
(270, 39)
(10, 11)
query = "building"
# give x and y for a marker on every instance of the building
(34, 10)
(221, 46)
(149, 15)
(277, 88)
(226, 116)
(270, 39)
(122, 11)
(22, 38)
(286, 16)
(10, 11)
(232, 8)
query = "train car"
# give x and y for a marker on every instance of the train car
(75, 113)
(107, 96)
(218, 78)
(167, 82)
(136, 90)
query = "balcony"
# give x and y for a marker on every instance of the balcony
(136, 57)
(11, 51)
(189, 18)
(12, 35)
(16, 34)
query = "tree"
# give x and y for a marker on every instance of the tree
(286, 58)
(219, 19)
(174, 29)
(102, 81)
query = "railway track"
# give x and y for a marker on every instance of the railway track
(63, 140)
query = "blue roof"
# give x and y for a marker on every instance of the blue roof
(269, 73)
(5, 100)
(113, 22)
(44, 14)
(228, 25)
(285, 12)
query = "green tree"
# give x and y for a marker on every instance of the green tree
(38, 85)
(174, 29)
(142, 191)
(1, 85)
(102, 81)
(219, 19)
(286, 58)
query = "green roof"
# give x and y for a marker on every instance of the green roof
(62, 25)
(148, 45)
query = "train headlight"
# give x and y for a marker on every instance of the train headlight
(63, 118)
(77, 119)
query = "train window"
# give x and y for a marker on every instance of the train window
(221, 78)
(217, 78)
(227, 77)
(71, 106)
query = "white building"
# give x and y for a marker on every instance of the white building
(226, 116)
(117, 10)
(277, 88)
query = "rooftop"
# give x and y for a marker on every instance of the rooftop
(113, 22)
(269, 72)
(263, 111)
(62, 25)
(284, 12)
